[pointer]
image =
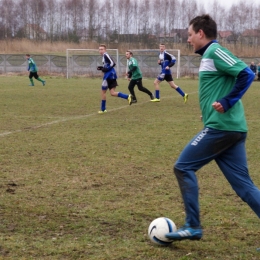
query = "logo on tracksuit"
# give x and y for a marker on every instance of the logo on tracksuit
(200, 137)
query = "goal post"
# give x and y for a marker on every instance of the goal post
(85, 61)
(148, 58)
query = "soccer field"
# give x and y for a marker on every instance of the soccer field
(79, 185)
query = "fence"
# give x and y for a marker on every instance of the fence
(86, 65)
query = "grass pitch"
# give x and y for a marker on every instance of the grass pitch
(79, 185)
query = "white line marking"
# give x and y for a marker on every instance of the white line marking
(73, 118)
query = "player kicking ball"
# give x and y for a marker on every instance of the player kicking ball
(134, 75)
(223, 80)
(33, 71)
(166, 60)
(109, 79)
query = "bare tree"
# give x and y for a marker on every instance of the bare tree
(174, 14)
(128, 14)
(233, 23)
(217, 12)
(201, 8)
(51, 11)
(23, 16)
(72, 19)
(8, 18)
(92, 26)
(158, 14)
(144, 25)
(62, 23)
(189, 10)
(37, 13)
(75, 15)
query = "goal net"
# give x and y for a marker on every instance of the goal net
(148, 62)
(84, 62)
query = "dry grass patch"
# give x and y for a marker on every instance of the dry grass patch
(59, 48)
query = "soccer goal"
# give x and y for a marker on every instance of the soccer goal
(84, 62)
(147, 60)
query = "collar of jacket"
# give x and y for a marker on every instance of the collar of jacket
(203, 49)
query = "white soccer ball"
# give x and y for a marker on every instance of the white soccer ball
(158, 228)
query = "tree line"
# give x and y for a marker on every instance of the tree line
(105, 20)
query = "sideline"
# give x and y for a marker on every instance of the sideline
(75, 118)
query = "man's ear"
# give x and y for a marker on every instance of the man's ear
(201, 33)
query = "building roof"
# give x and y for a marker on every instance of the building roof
(36, 28)
(224, 34)
(251, 33)
(167, 35)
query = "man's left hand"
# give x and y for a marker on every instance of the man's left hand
(218, 107)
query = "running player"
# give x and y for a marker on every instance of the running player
(223, 80)
(33, 71)
(134, 75)
(166, 60)
(109, 79)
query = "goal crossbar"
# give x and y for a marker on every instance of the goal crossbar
(88, 51)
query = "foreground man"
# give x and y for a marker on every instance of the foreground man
(223, 80)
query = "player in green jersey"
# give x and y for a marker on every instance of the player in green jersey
(33, 70)
(134, 75)
(223, 80)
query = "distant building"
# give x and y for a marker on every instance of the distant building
(132, 38)
(85, 35)
(168, 37)
(182, 35)
(34, 31)
(224, 36)
(175, 36)
(251, 37)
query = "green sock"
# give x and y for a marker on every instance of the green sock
(40, 79)
(32, 81)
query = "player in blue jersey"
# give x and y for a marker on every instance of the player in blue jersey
(223, 80)
(33, 71)
(166, 61)
(109, 79)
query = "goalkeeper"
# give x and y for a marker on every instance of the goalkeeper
(134, 75)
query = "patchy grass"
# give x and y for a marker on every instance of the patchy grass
(79, 185)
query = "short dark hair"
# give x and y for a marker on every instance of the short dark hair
(206, 24)
(103, 45)
(28, 55)
(162, 44)
(130, 53)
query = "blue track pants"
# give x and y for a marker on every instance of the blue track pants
(228, 150)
